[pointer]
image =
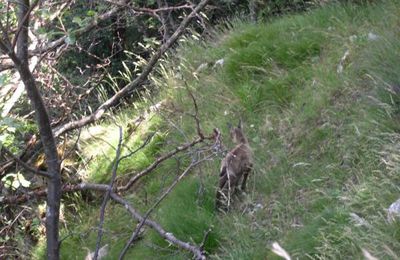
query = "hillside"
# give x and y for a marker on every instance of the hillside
(318, 95)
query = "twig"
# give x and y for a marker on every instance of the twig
(12, 223)
(196, 112)
(107, 194)
(140, 225)
(19, 199)
(205, 239)
(150, 11)
(146, 142)
(159, 160)
(163, 233)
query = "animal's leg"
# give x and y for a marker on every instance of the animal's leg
(245, 175)
(221, 187)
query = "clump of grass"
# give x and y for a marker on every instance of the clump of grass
(99, 144)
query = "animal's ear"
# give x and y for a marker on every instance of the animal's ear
(240, 125)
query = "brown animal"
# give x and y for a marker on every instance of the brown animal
(235, 167)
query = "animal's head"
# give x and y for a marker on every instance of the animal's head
(237, 133)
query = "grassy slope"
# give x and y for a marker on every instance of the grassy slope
(325, 144)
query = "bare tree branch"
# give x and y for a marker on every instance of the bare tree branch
(107, 194)
(163, 19)
(82, 31)
(214, 136)
(196, 112)
(197, 252)
(159, 160)
(144, 10)
(140, 225)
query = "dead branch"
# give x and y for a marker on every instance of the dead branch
(146, 142)
(159, 160)
(163, 20)
(144, 10)
(162, 9)
(36, 194)
(7, 227)
(196, 112)
(149, 211)
(107, 194)
(216, 136)
(196, 251)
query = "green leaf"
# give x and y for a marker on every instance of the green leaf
(77, 20)
(91, 13)
(71, 39)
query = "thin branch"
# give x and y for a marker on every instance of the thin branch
(196, 112)
(149, 211)
(25, 165)
(154, 165)
(22, 198)
(146, 142)
(150, 11)
(205, 239)
(15, 219)
(162, 18)
(61, 41)
(93, 23)
(163, 233)
(107, 194)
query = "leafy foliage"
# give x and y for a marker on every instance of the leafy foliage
(14, 132)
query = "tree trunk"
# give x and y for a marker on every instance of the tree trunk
(45, 131)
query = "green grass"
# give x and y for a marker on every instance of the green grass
(325, 143)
